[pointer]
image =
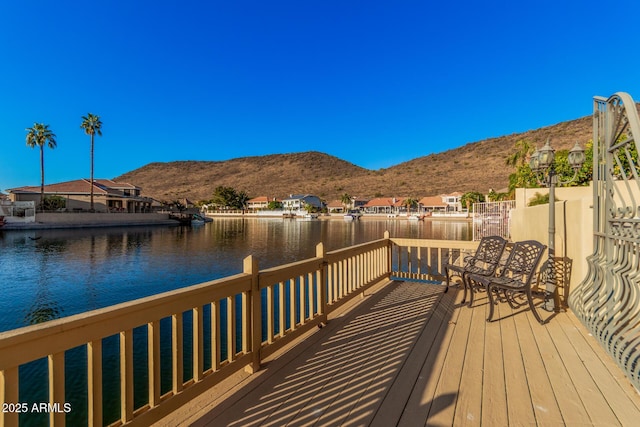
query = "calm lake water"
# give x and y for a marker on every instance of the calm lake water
(65, 272)
(46, 274)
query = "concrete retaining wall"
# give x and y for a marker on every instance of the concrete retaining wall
(62, 220)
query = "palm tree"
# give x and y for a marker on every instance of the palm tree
(409, 203)
(92, 126)
(346, 201)
(41, 135)
(471, 197)
(521, 156)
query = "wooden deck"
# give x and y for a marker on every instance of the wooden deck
(411, 355)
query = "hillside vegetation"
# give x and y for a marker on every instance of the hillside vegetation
(477, 166)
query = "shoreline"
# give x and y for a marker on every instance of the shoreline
(46, 221)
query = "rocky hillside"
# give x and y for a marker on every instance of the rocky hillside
(476, 166)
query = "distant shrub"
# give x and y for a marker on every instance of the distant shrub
(540, 199)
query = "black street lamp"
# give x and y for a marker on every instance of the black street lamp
(542, 164)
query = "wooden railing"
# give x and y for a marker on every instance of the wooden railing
(423, 259)
(248, 316)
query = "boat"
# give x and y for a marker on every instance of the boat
(307, 217)
(200, 219)
(352, 214)
(416, 217)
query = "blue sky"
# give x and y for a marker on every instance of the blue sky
(373, 82)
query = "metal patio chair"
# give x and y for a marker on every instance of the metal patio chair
(484, 262)
(514, 278)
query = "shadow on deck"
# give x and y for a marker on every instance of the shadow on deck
(409, 355)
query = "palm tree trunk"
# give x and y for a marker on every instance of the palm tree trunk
(42, 178)
(91, 172)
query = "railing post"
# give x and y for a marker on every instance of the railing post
(250, 266)
(323, 290)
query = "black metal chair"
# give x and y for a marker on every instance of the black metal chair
(515, 277)
(484, 262)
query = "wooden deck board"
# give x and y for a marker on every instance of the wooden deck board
(411, 355)
(423, 394)
(602, 369)
(571, 407)
(596, 405)
(543, 399)
(494, 392)
(468, 409)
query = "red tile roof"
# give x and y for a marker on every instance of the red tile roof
(432, 201)
(335, 204)
(384, 201)
(259, 199)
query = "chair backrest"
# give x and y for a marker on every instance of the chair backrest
(490, 251)
(523, 260)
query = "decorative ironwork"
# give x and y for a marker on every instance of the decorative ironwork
(515, 277)
(607, 301)
(492, 219)
(484, 262)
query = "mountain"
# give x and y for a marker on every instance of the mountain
(477, 166)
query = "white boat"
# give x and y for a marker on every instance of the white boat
(307, 217)
(352, 214)
(416, 217)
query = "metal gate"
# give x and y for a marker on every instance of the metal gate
(492, 219)
(607, 301)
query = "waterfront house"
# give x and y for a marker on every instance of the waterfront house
(432, 204)
(383, 205)
(453, 201)
(109, 196)
(260, 203)
(299, 201)
(335, 206)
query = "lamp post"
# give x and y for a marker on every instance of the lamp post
(542, 164)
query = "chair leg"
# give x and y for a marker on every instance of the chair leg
(446, 273)
(533, 309)
(465, 285)
(491, 302)
(471, 291)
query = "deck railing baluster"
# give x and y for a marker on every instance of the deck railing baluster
(198, 347)
(9, 394)
(302, 299)
(216, 342)
(231, 329)
(56, 388)
(153, 360)
(270, 315)
(94, 383)
(126, 375)
(177, 353)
